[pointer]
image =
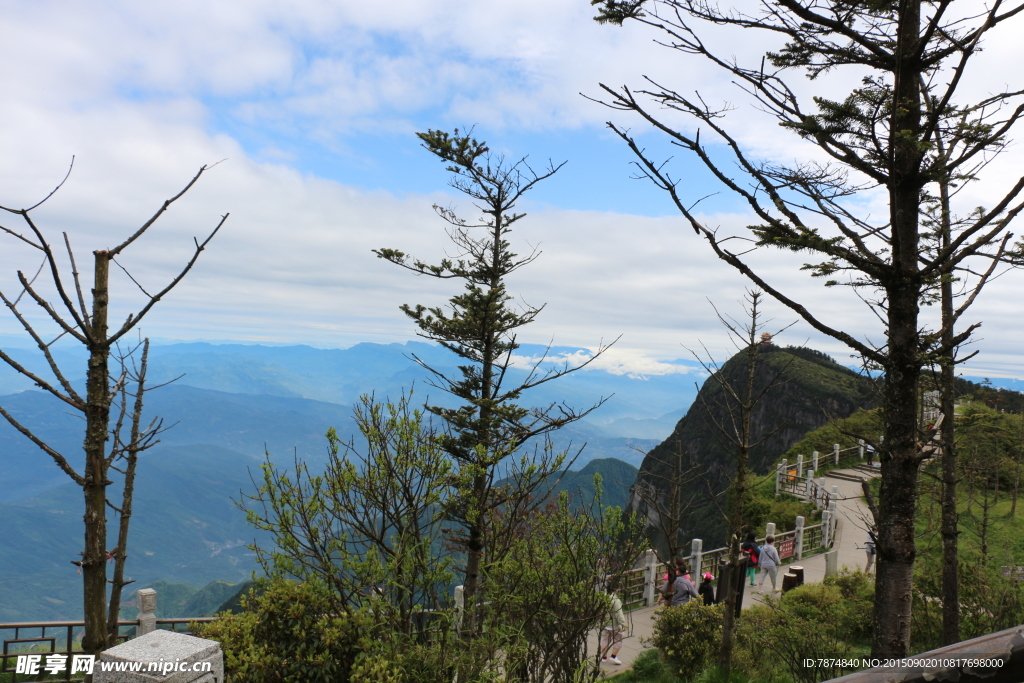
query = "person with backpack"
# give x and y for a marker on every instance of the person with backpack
(753, 552)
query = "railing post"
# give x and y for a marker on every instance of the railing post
(814, 461)
(831, 563)
(809, 486)
(822, 492)
(860, 448)
(798, 538)
(460, 604)
(696, 548)
(833, 518)
(651, 584)
(782, 472)
(835, 448)
(799, 465)
(769, 529)
(145, 600)
(826, 527)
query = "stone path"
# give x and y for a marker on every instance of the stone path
(851, 534)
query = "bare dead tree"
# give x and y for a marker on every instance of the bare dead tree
(85, 319)
(732, 423)
(665, 497)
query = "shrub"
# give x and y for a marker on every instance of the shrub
(688, 636)
(716, 675)
(858, 592)
(648, 668)
(286, 633)
(989, 602)
(815, 621)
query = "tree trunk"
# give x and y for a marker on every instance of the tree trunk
(125, 514)
(900, 462)
(950, 517)
(898, 495)
(950, 528)
(1016, 477)
(899, 458)
(485, 437)
(735, 529)
(97, 415)
(474, 557)
(737, 503)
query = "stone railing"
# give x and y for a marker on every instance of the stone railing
(642, 584)
(53, 643)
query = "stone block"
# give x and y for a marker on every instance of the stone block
(149, 659)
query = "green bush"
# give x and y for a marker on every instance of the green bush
(286, 633)
(648, 668)
(858, 590)
(716, 675)
(814, 620)
(688, 636)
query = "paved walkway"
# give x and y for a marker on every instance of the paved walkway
(850, 536)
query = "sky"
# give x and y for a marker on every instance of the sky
(306, 114)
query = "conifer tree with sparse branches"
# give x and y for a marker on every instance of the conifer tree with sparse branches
(479, 326)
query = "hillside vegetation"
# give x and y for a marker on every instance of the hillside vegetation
(811, 390)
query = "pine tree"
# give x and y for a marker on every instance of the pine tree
(479, 325)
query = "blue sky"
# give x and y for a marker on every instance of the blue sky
(314, 106)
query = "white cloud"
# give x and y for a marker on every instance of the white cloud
(635, 363)
(131, 89)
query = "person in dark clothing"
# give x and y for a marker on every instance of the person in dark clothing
(707, 588)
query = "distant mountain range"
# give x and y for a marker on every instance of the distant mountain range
(283, 399)
(185, 528)
(234, 403)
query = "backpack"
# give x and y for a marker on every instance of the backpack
(755, 554)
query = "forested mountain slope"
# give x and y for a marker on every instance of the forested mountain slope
(811, 389)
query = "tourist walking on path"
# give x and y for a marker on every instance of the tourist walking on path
(769, 562)
(753, 554)
(682, 589)
(614, 630)
(869, 548)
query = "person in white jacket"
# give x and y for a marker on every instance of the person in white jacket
(769, 562)
(611, 636)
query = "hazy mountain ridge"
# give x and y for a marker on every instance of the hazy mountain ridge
(249, 399)
(247, 424)
(185, 528)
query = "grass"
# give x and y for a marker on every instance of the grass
(647, 669)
